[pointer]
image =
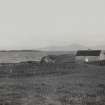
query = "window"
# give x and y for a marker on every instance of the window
(86, 60)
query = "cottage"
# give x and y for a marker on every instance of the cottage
(90, 55)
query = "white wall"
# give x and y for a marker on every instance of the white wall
(102, 55)
(88, 58)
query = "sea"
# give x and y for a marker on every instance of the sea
(20, 56)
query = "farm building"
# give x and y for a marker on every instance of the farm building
(90, 55)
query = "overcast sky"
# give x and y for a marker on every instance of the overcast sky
(30, 24)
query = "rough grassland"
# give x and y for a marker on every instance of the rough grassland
(35, 84)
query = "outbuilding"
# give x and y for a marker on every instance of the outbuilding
(90, 55)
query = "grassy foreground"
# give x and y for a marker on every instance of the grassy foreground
(35, 84)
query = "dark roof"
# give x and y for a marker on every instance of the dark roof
(88, 53)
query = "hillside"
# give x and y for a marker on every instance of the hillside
(72, 47)
(33, 84)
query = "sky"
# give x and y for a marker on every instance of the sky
(32, 24)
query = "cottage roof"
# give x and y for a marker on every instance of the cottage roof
(88, 53)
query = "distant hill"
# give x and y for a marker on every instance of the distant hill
(72, 47)
(99, 47)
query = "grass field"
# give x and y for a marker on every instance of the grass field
(35, 84)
